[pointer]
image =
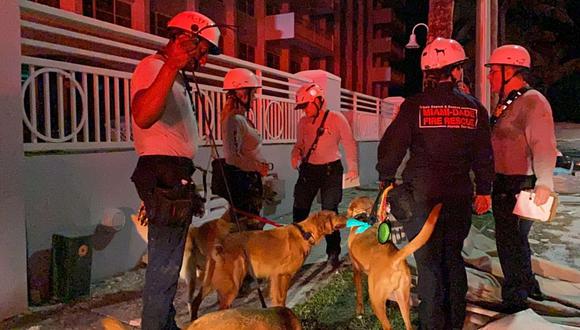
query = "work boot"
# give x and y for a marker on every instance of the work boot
(334, 259)
(536, 294)
(511, 308)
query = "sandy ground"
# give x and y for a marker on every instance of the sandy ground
(120, 296)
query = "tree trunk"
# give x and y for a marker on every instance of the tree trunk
(440, 19)
(501, 14)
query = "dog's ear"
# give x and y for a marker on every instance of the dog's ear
(362, 203)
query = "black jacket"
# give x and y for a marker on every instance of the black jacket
(448, 134)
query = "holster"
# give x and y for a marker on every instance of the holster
(175, 206)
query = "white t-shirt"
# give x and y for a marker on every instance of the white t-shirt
(175, 133)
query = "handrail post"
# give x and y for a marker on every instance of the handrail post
(259, 105)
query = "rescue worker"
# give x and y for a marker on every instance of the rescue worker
(243, 143)
(524, 148)
(318, 159)
(165, 135)
(447, 135)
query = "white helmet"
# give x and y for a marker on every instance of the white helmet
(308, 93)
(240, 78)
(199, 24)
(440, 53)
(510, 55)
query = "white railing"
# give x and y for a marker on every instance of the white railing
(366, 111)
(76, 80)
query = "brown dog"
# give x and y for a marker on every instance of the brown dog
(199, 243)
(277, 318)
(385, 265)
(275, 254)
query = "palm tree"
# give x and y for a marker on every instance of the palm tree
(440, 18)
(548, 29)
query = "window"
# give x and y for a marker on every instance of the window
(380, 89)
(380, 4)
(246, 6)
(158, 24)
(273, 61)
(246, 52)
(380, 31)
(294, 66)
(272, 8)
(52, 3)
(112, 11)
(380, 60)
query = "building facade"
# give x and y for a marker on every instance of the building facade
(358, 40)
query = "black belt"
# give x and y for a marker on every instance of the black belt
(323, 165)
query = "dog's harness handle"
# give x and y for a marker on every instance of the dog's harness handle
(384, 229)
(373, 216)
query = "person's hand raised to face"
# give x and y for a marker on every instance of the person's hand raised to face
(186, 51)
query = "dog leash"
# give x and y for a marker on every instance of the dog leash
(305, 234)
(257, 217)
(214, 149)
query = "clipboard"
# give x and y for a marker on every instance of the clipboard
(526, 209)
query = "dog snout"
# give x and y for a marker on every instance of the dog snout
(339, 221)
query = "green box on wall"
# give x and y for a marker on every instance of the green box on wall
(71, 266)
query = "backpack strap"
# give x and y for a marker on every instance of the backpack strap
(503, 105)
(319, 133)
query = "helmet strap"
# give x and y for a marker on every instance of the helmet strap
(318, 107)
(504, 82)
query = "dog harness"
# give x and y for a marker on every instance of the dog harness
(365, 221)
(305, 234)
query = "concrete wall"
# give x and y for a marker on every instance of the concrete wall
(69, 193)
(13, 290)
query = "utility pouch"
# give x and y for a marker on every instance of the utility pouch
(175, 206)
(402, 202)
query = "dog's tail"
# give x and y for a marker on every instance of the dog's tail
(423, 235)
(112, 324)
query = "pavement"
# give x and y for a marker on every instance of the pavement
(120, 296)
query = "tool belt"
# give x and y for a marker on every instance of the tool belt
(175, 206)
(164, 185)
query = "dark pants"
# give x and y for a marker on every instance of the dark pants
(246, 189)
(511, 235)
(165, 243)
(442, 282)
(328, 179)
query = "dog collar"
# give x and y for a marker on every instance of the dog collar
(305, 234)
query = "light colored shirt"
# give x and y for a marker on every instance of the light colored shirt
(336, 131)
(523, 139)
(242, 143)
(175, 133)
